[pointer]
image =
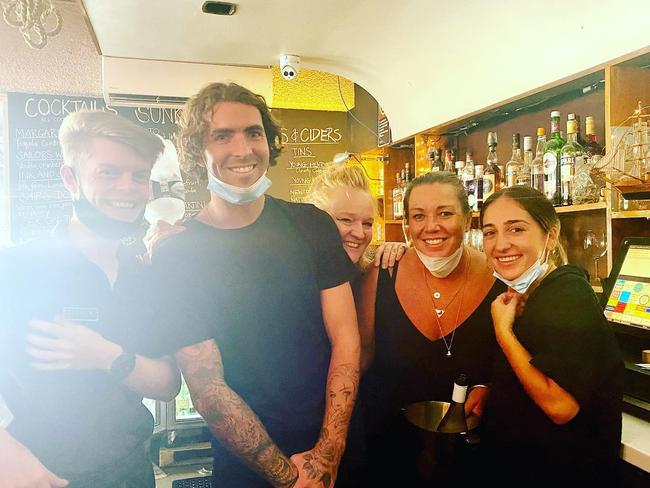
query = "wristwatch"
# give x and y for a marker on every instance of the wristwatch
(122, 366)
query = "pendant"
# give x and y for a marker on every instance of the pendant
(436, 295)
(448, 354)
(439, 312)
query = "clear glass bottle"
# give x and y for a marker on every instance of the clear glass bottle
(492, 172)
(513, 167)
(398, 204)
(569, 153)
(537, 169)
(552, 150)
(407, 173)
(449, 161)
(459, 166)
(524, 176)
(469, 180)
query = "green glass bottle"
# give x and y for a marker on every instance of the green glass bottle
(570, 154)
(552, 148)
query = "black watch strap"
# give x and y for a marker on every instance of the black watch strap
(123, 365)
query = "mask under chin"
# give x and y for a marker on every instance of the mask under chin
(103, 225)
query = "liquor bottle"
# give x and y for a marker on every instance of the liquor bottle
(537, 169)
(398, 203)
(469, 180)
(569, 153)
(579, 138)
(437, 164)
(478, 187)
(552, 150)
(407, 173)
(459, 166)
(592, 150)
(449, 161)
(492, 172)
(454, 420)
(524, 176)
(513, 167)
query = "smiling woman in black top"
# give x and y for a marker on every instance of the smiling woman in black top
(554, 413)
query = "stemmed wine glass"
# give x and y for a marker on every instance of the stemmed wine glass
(595, 243)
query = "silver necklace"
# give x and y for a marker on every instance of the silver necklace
(437, 315)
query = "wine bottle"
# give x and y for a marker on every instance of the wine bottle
(454, 420)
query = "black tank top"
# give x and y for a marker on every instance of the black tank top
(408, 367)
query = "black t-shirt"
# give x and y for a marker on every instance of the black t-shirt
(256, 291)
(570, 341)
(77, 422)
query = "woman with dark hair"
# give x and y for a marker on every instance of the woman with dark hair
(554, 412)
(422, 325)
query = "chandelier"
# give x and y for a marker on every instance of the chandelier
(36, 19)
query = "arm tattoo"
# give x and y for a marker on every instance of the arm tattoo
(342, 387)
(230, 419)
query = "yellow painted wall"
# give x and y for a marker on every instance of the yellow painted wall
(312, 90)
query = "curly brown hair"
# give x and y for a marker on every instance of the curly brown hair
(197, 114)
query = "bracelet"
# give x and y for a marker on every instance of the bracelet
(477, 386)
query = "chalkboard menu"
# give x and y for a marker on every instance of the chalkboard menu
(38, 197)
(311, 139)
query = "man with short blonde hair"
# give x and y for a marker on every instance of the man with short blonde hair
(71, 322)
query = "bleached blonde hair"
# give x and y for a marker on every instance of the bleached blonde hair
(80, 128)
(335, 177)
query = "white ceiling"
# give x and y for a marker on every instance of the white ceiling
(425, 61)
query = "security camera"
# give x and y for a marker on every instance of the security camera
(289, 66)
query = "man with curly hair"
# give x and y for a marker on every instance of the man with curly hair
(260, 311)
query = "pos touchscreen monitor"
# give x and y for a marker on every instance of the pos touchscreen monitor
(627, 292)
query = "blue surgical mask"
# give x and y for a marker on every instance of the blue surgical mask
(441, 267)
(528, 277)
(234, 194)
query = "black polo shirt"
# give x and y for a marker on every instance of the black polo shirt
(75, 421)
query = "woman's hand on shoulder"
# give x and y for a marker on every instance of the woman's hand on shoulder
(389, 253)
(158, 232)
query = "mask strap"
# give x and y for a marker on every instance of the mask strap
(544, 250)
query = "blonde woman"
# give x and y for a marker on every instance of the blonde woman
(344, 193)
